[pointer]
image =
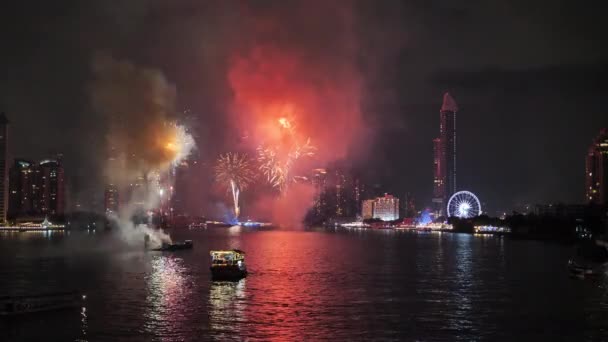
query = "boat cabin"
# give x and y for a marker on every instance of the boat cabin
(234, 257)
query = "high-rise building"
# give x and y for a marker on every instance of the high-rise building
(340, 196)
(597, 170)
(52, 187)
(111, 199)
(337, 193)
(385, 208)
(22, 197)
(3, 169)
(367, 209)
(36, 189)
(319, 179)
(444, 149)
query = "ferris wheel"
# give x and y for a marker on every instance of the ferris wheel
(464, 204)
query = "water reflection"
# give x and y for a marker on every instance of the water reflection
(463, 282)
(84, 325)
(227, 305)
(167, 296)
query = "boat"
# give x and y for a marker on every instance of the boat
(16, 305)
(169, 247)
(581, 271)
(590, 260)
(228, 265)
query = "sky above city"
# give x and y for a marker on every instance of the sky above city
(528, 77)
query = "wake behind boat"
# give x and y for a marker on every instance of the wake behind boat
(186, 244)
(16, 305)
(589, 261)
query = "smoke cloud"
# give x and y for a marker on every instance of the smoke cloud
(317, 86)
(143, 141)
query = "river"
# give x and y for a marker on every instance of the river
(316, 284)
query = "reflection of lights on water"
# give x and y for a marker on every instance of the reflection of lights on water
(227, 303)
(235, 230)
(83, 321)
(167, 291)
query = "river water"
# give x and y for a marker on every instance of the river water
(303, 285)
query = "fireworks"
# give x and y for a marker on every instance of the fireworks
(235, 171)
(179, 144)
(277, 161)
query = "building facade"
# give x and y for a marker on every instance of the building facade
(596, 170)
(36, 190)
(385, 208)
(337, 194)
(111, 199)
(319, 179)
(22, 188)
(3, 167)
(367, 209)
(444, 150)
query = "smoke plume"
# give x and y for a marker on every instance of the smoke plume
(143, 142)
(316, 86)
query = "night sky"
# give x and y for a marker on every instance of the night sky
(529, 78)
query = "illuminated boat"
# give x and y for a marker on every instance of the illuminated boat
(16, 305)
(187, 244)
(228, 265)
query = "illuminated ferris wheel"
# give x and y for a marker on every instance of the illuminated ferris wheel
(464, 204)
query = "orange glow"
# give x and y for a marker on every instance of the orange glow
(287, 103)
(274, 85)
(285, 123)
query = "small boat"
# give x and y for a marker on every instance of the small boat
(581, 271)
(16, 305)
(590, 260)
(186, 244)
(228, 265)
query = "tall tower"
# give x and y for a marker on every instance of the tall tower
(444, 149)
(3, 169)
(597, 170)
(52, 187)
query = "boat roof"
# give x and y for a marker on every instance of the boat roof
(233, 251)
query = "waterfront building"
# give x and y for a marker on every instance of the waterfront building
(319, 179)
(340, 196)
(385, 208)
(367, 209)
(36, 189)
(337, 193)
(22, 188)
(52, 187)
(3, 167)
(444, 149)
(596, 170)
(111, 199)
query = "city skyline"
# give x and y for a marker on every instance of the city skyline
(498, 126)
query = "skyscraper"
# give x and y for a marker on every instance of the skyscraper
(52, 187)
(36, 190)
(319, 179)
(22, 189)
(111, 199)
(597, 170)
(3, 170)
(444, 149)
